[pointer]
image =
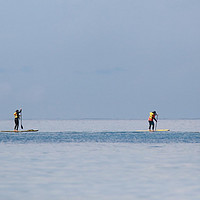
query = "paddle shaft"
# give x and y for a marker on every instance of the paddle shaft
(156, 122)
(21, 120)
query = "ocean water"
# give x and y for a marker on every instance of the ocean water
(100, 159)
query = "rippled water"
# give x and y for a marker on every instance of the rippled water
(103, 137)
(100, 159)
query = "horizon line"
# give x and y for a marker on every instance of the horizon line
(109, 119)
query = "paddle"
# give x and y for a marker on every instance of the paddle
(156, 122)
(21, 119)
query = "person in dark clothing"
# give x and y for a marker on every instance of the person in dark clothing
(17, 117)
(151, 119)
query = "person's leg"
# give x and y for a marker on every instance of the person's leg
(152, 126)
(17, 124)
(149, 125)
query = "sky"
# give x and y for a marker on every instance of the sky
(100, 59)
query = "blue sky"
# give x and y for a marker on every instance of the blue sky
(119, 59)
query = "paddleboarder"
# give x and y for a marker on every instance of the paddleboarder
(152, 118)
(17, 116)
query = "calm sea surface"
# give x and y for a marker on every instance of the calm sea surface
(100, 159)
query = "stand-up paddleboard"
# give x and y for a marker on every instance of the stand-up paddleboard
(15, 131)
(158, 130)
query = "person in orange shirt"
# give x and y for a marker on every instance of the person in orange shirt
(17, 116)
(152, 117)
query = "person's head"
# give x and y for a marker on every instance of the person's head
(17, 111)
(154, 112)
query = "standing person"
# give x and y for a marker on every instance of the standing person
(17, 116)
(150, 120)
